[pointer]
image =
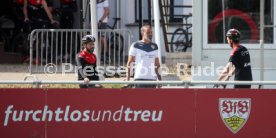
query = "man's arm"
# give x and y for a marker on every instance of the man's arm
(232, 71)
(106, 13)
(79, 63)
(157, 66)
(228, 72)
(25, 11)
(106, 10)
(49, 14)
(128, 66)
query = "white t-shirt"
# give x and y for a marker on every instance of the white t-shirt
(101, 4)
(145, 55)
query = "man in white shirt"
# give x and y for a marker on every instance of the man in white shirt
(145, 55)
(102, 13)
(102, 18)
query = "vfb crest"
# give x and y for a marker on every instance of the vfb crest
(234, 112)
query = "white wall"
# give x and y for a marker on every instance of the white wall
(203, 56)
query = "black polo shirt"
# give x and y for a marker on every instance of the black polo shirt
(240, 58)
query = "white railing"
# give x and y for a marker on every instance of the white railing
(184, 84)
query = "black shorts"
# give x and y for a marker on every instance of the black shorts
(103, 26)
(144, 85)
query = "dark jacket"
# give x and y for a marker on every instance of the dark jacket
(87, 67)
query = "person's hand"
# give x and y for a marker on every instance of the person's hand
(26, 20)
(86, 80)
(55, 23)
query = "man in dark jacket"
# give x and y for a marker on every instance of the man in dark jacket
(87, 63)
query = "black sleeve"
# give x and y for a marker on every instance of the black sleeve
(96, 74)
(80, 64)
(234, 59)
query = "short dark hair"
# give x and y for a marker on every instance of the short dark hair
(236, 41)
(145, 26)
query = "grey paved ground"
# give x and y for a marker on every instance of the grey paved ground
(19, 72)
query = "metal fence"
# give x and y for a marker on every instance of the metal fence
(58, 46)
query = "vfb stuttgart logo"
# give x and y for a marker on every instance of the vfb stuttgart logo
(234, 112)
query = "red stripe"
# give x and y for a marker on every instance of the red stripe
(89, 57)
(234, 50)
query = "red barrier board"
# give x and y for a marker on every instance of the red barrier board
(21, 99)
(146, 113)
(98, 113)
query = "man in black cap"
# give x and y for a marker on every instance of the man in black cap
(87, 63)
(239, 62)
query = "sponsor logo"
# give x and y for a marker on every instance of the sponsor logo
(66, 114)
(234, 112)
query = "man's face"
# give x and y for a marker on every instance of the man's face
(90, 47)
(230, 42)
(148, 33)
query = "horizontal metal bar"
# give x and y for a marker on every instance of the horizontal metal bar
(177, 6)
(18, 82)
(146, 82)
(178, 15)
(79, 30)
(270, 26)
